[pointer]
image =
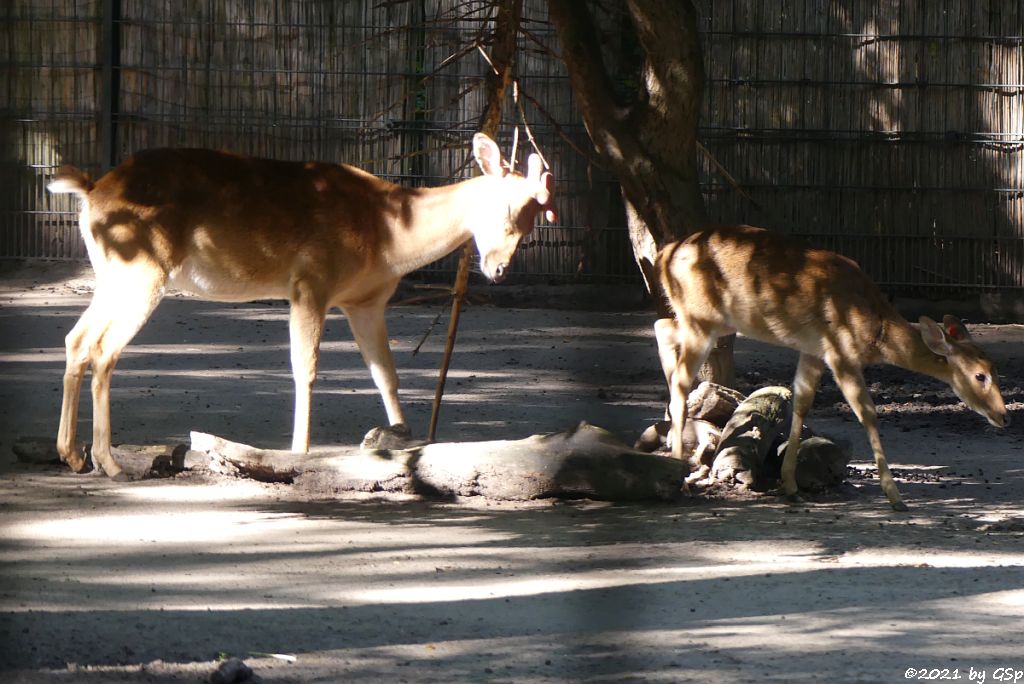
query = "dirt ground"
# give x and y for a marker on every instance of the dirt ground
(155, 580)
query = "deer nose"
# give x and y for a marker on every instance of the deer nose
(999, 420)
(500, 271)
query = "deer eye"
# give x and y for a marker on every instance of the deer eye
(980, 377)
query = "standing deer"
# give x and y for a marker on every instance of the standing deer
(775, 289)
(233, 228)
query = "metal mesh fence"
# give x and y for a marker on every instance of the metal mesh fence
(891, 132)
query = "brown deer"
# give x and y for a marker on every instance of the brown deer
(233, 228)
(775, 289)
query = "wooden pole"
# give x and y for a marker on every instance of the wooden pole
(458, 295)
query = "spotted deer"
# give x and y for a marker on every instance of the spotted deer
(232, 228)
(775, 289)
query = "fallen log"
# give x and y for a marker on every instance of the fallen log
(585, 462)
(708, 409)
(713, 403)
(137, 461)
(820, 463)
(748, 436)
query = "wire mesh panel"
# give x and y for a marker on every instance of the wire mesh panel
(276, 79)
(538, 114)
(48, 116)
(891, 132)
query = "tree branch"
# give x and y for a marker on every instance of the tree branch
(591, 83)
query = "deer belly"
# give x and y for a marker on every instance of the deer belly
(213, 281)
(774, 328)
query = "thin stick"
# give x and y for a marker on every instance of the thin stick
(430, 328)
(526, 124)
(458, 294)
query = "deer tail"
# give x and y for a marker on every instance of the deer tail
(71, 180)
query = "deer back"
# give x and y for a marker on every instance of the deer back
(775, 289)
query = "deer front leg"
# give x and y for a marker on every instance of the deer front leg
(693, 347)
(370, 332)
(805, 386)
(305, 329)
(851, 382)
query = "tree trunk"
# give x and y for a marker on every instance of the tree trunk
(649, 143)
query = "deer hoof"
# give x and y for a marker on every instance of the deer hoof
(899, 506)
(76, 461)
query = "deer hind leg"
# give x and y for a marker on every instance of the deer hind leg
(77, 345)
(805, 385)
(125, 297)
(851, 382)
(692, 348)
(370, 332)
(305, 328)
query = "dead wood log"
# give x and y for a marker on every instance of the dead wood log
(37, 450)
(697, 435)
(583, 462)
(654, 437)
(137, 461)
(746, 439)
(713, 403)
(820, 463)
(708, 408)
(232, 671)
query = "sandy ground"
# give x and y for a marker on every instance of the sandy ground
(153, 581)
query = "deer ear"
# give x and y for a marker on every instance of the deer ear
(544, 197)
(533, 168)
(955, 329)
(934, 336)
(487, 155)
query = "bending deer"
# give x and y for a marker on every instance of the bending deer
(232, 228)
(772, 288)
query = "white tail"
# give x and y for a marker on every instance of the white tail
(765, 286)
(233, 228)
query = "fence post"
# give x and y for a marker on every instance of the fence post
(110, 63)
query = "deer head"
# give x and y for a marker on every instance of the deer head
(972, 374)
(508, 208)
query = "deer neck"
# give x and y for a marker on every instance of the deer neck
(430, 223)
(900, 344)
